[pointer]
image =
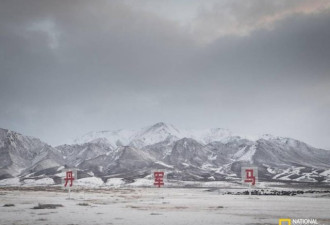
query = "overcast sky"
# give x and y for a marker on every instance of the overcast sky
(252, 66)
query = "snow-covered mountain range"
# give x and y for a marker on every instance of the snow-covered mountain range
(204, 155)
(155, 134)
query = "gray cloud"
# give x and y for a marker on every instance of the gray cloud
(77, 66)
(243, 17)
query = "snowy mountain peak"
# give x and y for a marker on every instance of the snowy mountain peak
(159, 125)
(156, 133)
(162, 127)
(283, 140)
(269, 137)
(206, 136)
(118, 136)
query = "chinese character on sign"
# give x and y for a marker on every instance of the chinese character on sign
(249, 175)
(159, 178)
(69, 177)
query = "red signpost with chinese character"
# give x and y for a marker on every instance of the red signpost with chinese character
(69, 176)
(249, 176)
(159, 178)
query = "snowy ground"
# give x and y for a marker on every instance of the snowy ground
(157, 206)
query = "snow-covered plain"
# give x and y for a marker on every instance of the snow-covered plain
(156, 206)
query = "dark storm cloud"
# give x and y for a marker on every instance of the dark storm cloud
(75, 66)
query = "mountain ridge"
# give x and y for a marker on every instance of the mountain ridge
(210, 154)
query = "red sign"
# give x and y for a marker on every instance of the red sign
(249, 177)
(159, 178)
(69, 177)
